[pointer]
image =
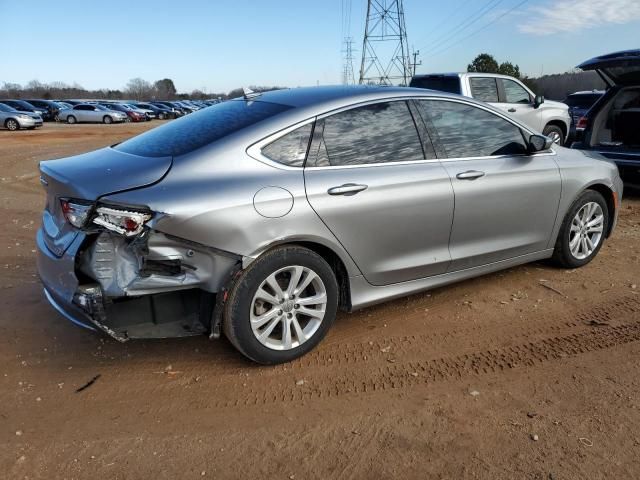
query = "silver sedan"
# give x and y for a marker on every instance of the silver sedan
(91, 113)
(262, 216)
(13, 119)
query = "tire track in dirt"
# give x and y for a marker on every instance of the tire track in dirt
(362, 368)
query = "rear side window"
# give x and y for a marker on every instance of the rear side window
(200, 128)
(442, 83)
(378, 133)
(514, 92)
(464, 130)
(290, 149)
(484, 89)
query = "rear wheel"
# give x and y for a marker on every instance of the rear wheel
(282, 305)
(583, 231)
(71, 119)
(161, 116)
(12, 125)
(107, 119)
(554, 133)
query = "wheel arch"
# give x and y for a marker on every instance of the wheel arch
(609, 197)
(561, 125)
(335, 261)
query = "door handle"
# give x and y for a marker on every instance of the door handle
(511, 110)
(347, 189)
(470, 175)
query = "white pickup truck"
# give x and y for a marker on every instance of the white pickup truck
(507, 94)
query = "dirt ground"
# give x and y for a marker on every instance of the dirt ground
(500, 377)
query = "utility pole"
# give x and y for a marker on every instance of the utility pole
(348, 77)
(385, 50)
(415, 63)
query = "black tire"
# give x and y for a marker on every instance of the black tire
(236, 321)
(161, 116)
(12, 125)
(562, 255)
(71, 120)
(555, 133)
(107, 120)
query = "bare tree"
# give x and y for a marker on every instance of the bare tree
(139, 89)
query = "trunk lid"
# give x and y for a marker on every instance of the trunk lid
(88, 177)
(619, 68)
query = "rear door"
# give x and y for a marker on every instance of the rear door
(376, 184)
(505, 200)
(619, 68)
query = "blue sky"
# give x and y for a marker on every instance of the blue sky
(217, 45)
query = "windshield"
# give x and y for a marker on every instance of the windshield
(6, 108)
(200, 128)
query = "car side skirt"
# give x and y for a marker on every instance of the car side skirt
(363, 294)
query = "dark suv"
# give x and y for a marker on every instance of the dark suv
(579, 104)
(612, 125)
(52, 109)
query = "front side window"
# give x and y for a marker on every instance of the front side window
(378, 133)
(514, 92)
(484, 89)
(464, 130)
(290, 149)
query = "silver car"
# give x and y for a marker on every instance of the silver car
(261, 216)
(13, 119)
(93, 113)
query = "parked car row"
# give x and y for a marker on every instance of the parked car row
(31, 113)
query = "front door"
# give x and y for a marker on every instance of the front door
(516, 101)
(369, 181)
(505, 199)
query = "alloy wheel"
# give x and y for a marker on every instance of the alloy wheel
(288, 307)
(586, 230)
(12, 125)
(555, 137)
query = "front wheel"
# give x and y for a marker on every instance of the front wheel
(107, 119)
(12, 125)
(71, 119)
(281, 306)
(554, 133)
(583, 231)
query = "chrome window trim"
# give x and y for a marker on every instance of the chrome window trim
(255, 150)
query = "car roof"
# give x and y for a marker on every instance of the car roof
(338, 94)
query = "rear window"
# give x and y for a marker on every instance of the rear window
(582, 100)
(450, 84)
(200, 128)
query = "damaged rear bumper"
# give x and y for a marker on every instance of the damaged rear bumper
(152, 286)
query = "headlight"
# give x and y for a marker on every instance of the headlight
(25, 117)
(124, 222)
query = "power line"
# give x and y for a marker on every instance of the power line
(479, 29)
(470, 20)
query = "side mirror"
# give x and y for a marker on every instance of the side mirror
(539, 143)
(539, 100)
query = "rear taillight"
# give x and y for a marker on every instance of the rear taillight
(124, 222)
(75, 213)
(582, 123)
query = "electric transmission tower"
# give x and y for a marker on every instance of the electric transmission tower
(348, 77)
(385, 50)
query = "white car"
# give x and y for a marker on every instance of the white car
(507, 94)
